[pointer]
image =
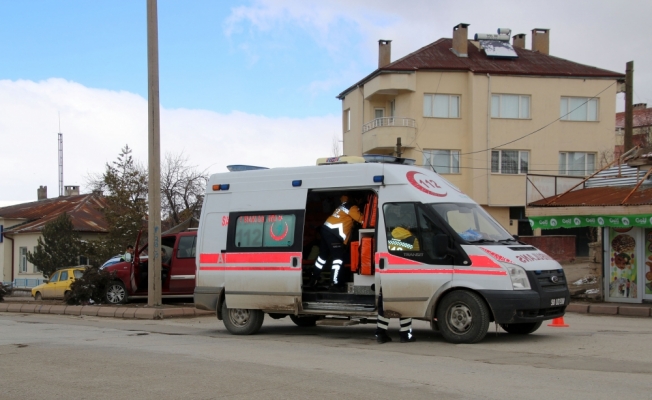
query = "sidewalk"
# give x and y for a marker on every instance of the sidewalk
(28, 305)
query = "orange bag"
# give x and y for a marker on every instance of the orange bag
(370, 212)
(355, 256)
(367, 256)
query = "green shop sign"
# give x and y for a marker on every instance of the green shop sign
(569, 221)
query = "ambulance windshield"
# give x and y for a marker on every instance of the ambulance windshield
(472, 223)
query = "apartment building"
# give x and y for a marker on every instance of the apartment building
(485, 113)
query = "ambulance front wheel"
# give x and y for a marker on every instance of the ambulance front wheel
(463, 317)
(241, 321)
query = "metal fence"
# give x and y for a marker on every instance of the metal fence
(388, 121)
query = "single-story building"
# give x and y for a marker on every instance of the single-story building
(21, 226)
(618, 203)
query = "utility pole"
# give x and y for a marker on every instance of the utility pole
(154, 160)
(629, 106)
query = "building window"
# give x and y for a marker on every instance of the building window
(510, 106)
(83, 260)
(346, 120)
(441, 105)
(578, 109)
(442, 161)
(22, 259)
(509, 161)
(576, 163)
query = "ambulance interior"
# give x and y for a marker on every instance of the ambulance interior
(356, 276)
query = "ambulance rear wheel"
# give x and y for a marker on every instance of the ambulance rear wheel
(463, 317)
(241, 321)
(521, 329)
(304, 322)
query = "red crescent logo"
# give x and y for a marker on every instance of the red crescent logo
(425, 184)
(282, 235)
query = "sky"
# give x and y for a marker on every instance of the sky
(242, 82)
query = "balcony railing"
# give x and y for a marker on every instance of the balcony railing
(388, 121)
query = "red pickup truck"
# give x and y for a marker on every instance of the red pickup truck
(178, 270)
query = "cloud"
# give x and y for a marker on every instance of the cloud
(604, 36)
(97, 123)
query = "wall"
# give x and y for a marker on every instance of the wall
(561, 248)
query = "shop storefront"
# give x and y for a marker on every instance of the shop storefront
(627, 251)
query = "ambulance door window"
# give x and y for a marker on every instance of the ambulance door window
(268, 230)
(402, 230)
(429, 230)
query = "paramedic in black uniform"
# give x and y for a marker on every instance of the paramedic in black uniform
(335, 235)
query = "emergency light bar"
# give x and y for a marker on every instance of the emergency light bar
(366, 158)
(223, 186)
(238, 167)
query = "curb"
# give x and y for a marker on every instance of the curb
(106, 311)
(609, 309)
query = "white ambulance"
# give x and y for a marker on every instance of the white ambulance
(259, 228)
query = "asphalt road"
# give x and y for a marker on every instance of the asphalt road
(66, 357)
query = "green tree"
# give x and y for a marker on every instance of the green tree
(124, 184)
(58, 246)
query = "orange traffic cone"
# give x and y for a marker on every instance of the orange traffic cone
(558, 323)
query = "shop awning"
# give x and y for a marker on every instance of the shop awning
(578, 221)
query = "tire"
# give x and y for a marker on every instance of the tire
(305, 321)
(463, 317)
(38, 296)
(116, 293)
(521, 329)
(241, 321)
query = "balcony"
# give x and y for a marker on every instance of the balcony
(380, 134)
(390, 84)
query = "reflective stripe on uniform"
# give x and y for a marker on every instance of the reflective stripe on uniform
(382, 322)
(339, 227)
(406, 324)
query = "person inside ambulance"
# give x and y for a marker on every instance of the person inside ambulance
(335, 235)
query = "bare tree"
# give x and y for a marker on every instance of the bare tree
(182, 188)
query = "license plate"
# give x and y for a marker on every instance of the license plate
(557, 302)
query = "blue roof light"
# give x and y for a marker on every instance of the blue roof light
(379, 178)
(224, 186)
(296, 183)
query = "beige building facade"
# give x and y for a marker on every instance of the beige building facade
(484, 122)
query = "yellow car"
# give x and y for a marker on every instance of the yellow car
(58, 284)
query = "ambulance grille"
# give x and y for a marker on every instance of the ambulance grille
(552, 280)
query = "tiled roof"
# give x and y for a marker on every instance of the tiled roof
(85, 211)
(601, 196)
(438, 56)
(641, 118)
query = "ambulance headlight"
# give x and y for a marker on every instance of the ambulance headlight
(518, 277)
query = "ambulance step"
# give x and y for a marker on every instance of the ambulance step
(337, 306)
(337, 322)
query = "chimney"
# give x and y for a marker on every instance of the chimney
(640, 106)
(541, 40)
(42, 193)
(384, 52)
(71, 191)
(461, 40)
(519, 41)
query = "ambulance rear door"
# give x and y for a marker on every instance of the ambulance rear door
(263, 260)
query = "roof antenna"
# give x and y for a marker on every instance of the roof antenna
(60, 158)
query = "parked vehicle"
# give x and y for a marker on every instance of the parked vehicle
(58, 284)
(178, 270)
(467, 271)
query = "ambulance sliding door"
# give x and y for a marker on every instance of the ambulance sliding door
(263, 260)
